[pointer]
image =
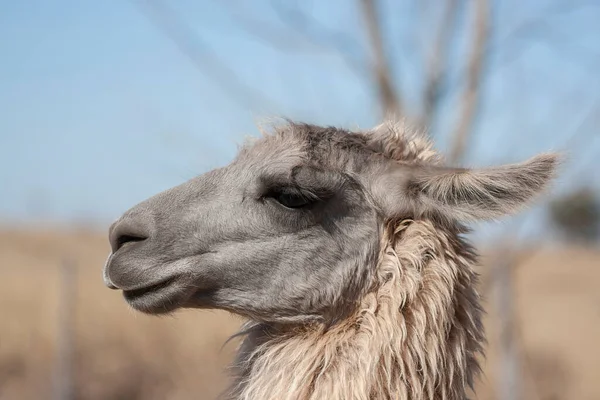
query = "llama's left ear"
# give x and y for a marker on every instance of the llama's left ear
(466, 194)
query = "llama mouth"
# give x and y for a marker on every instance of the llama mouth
(159, 298)
(135, 293)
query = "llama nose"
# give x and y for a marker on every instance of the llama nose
(129, 229)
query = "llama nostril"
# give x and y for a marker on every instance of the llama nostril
(128, 230)
(127, 238)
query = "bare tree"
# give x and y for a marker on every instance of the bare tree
(470, 95)
(437, 64)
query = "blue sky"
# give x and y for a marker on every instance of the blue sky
(99, 109)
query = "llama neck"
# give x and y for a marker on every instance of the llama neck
(415, 336)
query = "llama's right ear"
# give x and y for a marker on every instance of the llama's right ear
(464, 194)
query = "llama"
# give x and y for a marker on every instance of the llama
(345, 252)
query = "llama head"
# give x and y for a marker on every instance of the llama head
(290, 231)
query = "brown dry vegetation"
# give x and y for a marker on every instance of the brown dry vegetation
(120, 354)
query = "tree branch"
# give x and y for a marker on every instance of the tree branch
(388, 97)
(202, 55)
(281, 39)
(343, 43)
(470, 95)
(524, 33)
(437, 65)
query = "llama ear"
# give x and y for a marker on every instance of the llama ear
(468, 194)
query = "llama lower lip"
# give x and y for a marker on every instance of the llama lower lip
(159, 298)
(147, 289)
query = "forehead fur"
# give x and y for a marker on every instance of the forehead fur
(326, 145)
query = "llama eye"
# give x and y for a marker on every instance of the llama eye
(290, 200)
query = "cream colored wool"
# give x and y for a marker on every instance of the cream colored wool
(415, 336)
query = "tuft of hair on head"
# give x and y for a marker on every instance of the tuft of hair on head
(398, 140)
(267, 125)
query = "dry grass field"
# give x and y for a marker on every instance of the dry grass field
(124, 355)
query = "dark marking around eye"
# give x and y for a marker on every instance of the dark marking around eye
(302, 187)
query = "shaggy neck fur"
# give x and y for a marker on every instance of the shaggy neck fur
(415, 335)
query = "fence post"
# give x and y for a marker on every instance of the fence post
(63, 370)
(509, 373)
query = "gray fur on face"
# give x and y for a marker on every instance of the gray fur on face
(225, 240)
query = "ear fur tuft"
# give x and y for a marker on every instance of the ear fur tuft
(488, 193)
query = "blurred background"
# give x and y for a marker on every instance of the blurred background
(105, 103)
